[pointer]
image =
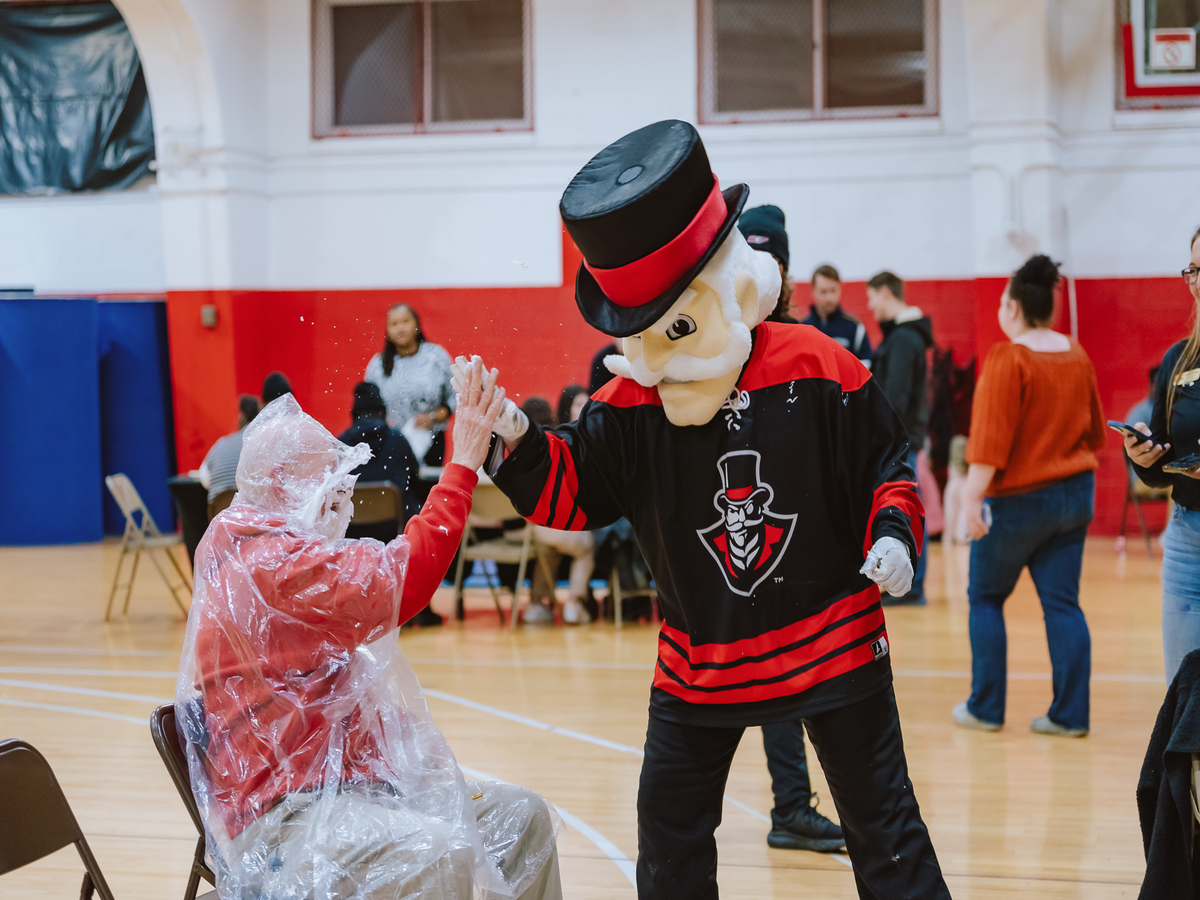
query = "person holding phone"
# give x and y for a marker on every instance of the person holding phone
(1035, 428)
(1169, 458)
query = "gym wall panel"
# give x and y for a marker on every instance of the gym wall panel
(50, 470)
(137, 435)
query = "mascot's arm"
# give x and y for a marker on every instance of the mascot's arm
(873, 451)
(571, 477)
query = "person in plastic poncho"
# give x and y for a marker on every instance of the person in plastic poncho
(315, 764)
(764, 474)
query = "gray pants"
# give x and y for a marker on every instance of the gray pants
(360, 845)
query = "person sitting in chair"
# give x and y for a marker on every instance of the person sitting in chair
(315, 764)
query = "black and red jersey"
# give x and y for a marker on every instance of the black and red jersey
(754, 525)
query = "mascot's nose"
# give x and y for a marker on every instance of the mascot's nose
(656, 351)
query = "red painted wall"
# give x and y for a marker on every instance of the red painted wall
(322, 340)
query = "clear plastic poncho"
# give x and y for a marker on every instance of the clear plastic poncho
(314, 761)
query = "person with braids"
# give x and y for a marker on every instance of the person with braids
(414, 377)
(1035, 428)
(1175, 429)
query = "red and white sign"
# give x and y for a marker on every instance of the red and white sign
(1172, 49)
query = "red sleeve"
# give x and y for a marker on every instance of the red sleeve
(433, 536)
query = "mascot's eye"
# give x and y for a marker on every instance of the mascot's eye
(681, 327)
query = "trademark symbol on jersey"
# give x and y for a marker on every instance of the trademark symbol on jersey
(749, 540)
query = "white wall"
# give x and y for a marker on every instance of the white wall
(1027, 153)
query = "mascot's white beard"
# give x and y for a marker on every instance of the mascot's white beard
(682, 367)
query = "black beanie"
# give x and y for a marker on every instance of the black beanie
(368, 402)
(275, 386)
(763, 229)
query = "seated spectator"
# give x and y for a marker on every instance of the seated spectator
(553, 544)
(392, 458)
(317, 769)
(219, 470)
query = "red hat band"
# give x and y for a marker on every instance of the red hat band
(647, 278)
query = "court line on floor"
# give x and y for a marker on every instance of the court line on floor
(52, 707)
(86, 651)
(607, 847)
(587, 738)
(89, 692)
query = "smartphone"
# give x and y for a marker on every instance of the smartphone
(1186, 464)
(1125, 428)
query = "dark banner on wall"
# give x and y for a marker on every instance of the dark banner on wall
(74, 112)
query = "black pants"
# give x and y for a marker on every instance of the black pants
(862, 753)
(788, 764)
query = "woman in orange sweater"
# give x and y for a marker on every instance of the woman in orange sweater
(1035, 427)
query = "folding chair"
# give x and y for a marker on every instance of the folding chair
(166, 739)
(36, 819)
(1137, 493)
(378, 510)
(489, 506)
(139, 536)
(221, 502)
(618, 595)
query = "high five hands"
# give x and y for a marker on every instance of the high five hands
(511, 424)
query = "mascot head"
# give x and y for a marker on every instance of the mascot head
(664, 268)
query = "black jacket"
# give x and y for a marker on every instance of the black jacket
(754, 525)
(843, 328)
(899, 367)
(1184, 433)
(1164, 789)
(392, 459)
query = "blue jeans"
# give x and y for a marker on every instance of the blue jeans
(1181, 588)
(1044, 530)
(918, 582)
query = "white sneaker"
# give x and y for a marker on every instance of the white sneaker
(963, 719)
(574, 613)
(537, 614)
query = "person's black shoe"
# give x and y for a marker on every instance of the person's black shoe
(425, 618)
(807, 830)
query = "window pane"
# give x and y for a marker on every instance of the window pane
(874, 53)
(478, 60)
(1171, 53)
(377, 64)
(763, 54)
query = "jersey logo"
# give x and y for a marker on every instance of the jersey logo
(749, 540)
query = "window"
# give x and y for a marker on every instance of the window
(770, 60)
(420, 65)
(1158, 58)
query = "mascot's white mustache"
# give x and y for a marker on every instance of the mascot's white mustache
(683, 367)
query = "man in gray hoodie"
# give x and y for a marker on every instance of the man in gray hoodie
(899, 367)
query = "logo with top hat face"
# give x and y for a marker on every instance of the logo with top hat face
(749, 540)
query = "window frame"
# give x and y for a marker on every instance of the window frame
(707, 81)
(322, 88)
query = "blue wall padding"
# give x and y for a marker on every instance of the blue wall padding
(50, 410)
(136, 432)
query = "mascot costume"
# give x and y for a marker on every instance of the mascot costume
(764, 474)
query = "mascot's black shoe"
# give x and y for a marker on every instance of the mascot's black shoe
(807, 830)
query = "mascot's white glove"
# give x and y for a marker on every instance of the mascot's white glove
(889, 567)
(511, 424)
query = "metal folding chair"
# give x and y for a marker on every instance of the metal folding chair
(489, 506)
(36, 819)
(166, 738)
(378, 510)
(221, 502)
(141, 534)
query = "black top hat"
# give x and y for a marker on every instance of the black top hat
(647, 214)
(740, 481)
(368, 402)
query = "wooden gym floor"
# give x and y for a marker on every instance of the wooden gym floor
(564, 711)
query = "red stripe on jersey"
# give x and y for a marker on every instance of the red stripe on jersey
(627, 392)
(852, 659)
(744, 650)
(903, 496)
(784, 353)
(560, 493)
